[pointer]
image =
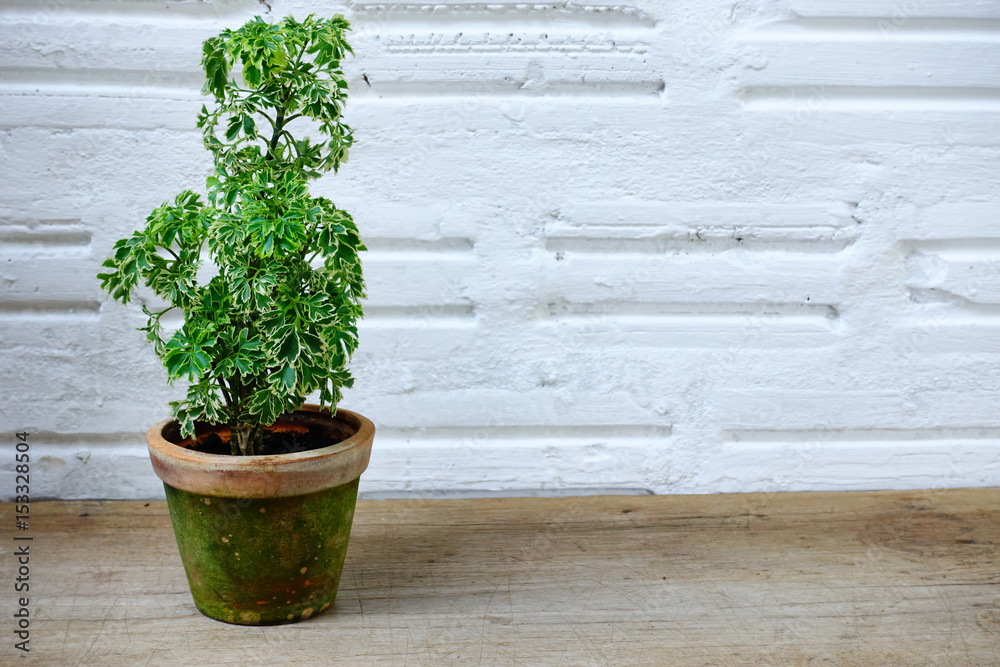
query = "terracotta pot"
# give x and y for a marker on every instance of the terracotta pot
(263, 538)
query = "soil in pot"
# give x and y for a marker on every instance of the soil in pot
(292, 438)
(289, 434)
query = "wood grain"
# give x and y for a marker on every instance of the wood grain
(886, 578)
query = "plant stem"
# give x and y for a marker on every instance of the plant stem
(279, 123)
(170, 251)
(225, 392)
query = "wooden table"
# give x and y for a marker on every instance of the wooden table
(887, 578)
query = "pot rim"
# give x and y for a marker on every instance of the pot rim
(267, 476)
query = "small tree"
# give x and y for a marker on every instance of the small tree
(278, 321)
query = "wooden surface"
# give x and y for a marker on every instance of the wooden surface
(888, 578)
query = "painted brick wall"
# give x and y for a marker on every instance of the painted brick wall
(670, 247)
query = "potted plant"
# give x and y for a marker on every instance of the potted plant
(261, 488)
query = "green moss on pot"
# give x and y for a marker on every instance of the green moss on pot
(263, 561)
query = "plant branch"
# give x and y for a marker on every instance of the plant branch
(160, 314)
(298, 58)
(290, 141)
(170, 251)
(278, 125)
(268, 118)
(225, 392)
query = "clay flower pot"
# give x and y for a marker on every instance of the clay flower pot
(263, 538)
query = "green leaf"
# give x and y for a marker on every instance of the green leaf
(288, 352)
(311, 342)
(188, 355)
(226, 232)
(251, 75)
(184, 417)
(287, 378)
(216, 67)
(233, 130)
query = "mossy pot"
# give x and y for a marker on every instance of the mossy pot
(263, 538)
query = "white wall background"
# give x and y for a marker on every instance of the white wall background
(695, 246)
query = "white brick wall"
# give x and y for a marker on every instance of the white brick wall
(671, 247)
